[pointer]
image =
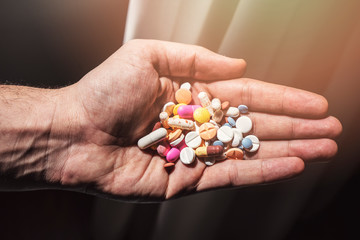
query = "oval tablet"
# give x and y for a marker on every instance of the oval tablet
(255, 142)
(225, 105)
(152, 138)
(207, 131)
(187, 111)
(244, 124)
(225, 134)
(181, 123)
(176, 108)
(232, 112)
(169, 165)
(173, 155)
(174, 134)
(187, 155)
(177, 141)
(218, 116)
(193, 139)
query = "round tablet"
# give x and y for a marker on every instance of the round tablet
(216, 104)
(173, 155)
(187, 155)
(175, 134)
(255, 143)
(218, 143)
(243, 109)
(186, 85)
(225, 134)
(183, 95)
(247, 143)
(207, 131)
(232, 112)
(244, 124)
(234, 153)
(193, 139)
(237, 137)
(201, 115)
(231, 121)
(209, 161)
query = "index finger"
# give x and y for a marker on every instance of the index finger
(270, 98)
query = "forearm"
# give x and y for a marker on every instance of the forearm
(33, 135)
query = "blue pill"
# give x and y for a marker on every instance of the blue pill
(227, 124)
(231, 121)
(247, 143)
(241, 147)
(243, 109)
(218, 143)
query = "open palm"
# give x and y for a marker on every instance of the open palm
(119, 101)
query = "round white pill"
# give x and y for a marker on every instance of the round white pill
(237, 137)
(209, 161)
(232, 112)
(187, 155)
(216, 104)
(177, 141)
(244, 124)
(186, 85)
(193, 139)
(225, 134)
(255, 141)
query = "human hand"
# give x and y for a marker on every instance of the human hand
(119, 101)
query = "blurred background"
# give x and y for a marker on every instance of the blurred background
(312, 45)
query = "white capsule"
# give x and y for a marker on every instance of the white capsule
(205, 102)
(177, 141)
(164, 116)
(168, 107)
(152, 138)
(181, 123)
(216, 104)
(244, 124)
(232, 112)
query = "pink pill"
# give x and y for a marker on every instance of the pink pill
(163, 149)
(173, 155)
(187, 111)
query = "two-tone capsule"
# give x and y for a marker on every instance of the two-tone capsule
(209, 151)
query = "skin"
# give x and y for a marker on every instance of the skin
(87, 132)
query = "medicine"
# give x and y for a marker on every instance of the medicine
(243, 109)
(207, 131)
(193, 139)
(201, 115)
(187, 155)
(209, 151)
(225, 134)
(164, 116)
(232, 112)
(255, 143)
(205, 102)
(244, 124)
(152, 138)
(173, 135)
(177, 142)
(216, 104)
(163, 150)
(183, 95)
(234, 153)
(176, 108)
(168, 107)
(186, 85)
(246, 143)
(181, 123)
(225, 105)
(187, 111)
(237, 137)
(173, 155)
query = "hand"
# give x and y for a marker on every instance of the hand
(120, 100)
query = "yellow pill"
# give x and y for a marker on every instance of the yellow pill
(176, 108)
(201, 115)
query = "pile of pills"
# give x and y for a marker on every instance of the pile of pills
(213, 131)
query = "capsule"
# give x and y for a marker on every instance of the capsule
(181, 123)
(152, 138)
(187, 111)
(209, 151)
(164, 116)
(205, 102)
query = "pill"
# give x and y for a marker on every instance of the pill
(225, 105)
(187, 111)
(234, 153)
(244, 124)
(227, 124)
(168, 107)
(209, 151)
(241, 147)
(247, 143)
(176, 108)
(181, 123)
(216, 104)
(231, 121)
(214, 123)
(169, 166)
(163, 149)
(255, 143)
(225, 134)
(152, 138)
(174, 134)
(232, 112)
(201, 115)
(243, 109)
(209, 161)
(237, 137)
(207, 131)
(218, 116)
(157, 125)
(183, 95)
(218, 143)
(173, 155)
(193, 139)
(177, 141)
(187, 155)
(164, 116)
(186, 85)
(205, 102)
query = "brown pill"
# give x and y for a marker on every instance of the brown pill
(183, 96)
(234, 153)
(209, 151)
(218, 116)
(207, 131)
(225, 105)
(157, 126)
(175, 134)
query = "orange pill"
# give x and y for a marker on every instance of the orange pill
(234, 153)
(183, 96)
(175, 134)
(169, 166)
(225, 105)
(207, 131)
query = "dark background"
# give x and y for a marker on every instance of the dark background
(53, 44)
